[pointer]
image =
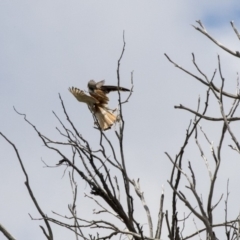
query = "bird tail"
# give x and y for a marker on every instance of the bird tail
(105, 117)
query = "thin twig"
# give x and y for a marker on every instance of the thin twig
(203, 30)
(49, 235)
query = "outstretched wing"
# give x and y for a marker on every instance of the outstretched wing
(107, 89)
(82, 97)
(97, 104)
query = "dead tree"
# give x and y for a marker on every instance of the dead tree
(203, 209)
(96, 167)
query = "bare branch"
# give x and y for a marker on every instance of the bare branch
(6, 233)
(231, 119)
(222, 110)
(50, 234)
(120, 137)
(197, 229)
(204, 157)
(131, 90)
(160, 217)
(202, 81)
(141, 196)
(235, 30)
(203, 30)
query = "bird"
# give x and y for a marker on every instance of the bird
(98, 101)
(98, 106)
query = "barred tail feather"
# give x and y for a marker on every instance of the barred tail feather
(105, 117)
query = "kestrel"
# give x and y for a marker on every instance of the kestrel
(98, 102)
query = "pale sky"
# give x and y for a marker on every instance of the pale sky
(48, 46)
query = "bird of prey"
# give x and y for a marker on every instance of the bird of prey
(98, 102)
(98, 106)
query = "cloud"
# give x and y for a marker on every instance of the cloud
(49, 46)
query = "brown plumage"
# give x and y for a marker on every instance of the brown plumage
(97, 104)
